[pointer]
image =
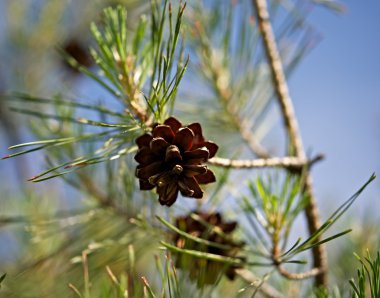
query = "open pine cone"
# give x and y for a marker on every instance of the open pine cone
(172, 158)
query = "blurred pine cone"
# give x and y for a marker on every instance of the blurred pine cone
(172, 158)
(77, 50)
(211, 227)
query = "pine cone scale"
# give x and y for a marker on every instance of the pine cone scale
(144, 140)
(194, 170)
(198, 155)
(211, 147)
(173, 154)
(206, 178)
(163, 131)
(173, 123)
(150, 170)
(194, 186)
(168, 193)
(144, 156)
(158, 146)
(184, 139)
(145, 185)
(198, 136)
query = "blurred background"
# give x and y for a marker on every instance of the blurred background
(335, 89)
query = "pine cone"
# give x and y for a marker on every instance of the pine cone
(210, 227)
(172, 158)
(77, 50)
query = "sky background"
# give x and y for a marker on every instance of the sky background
(336, 93)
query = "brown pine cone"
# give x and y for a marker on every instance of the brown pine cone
(77, 50)
(172, 158)
(210, 227)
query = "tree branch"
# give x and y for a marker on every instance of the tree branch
(291, 125)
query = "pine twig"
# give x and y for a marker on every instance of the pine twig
(264, 288)
(291, 125)
(288, 162)
(298, 276)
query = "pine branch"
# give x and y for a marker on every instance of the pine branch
(298, 276)
(288, 162)
(264, 288)
(291, 125)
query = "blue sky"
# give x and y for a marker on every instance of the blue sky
(336, 92)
